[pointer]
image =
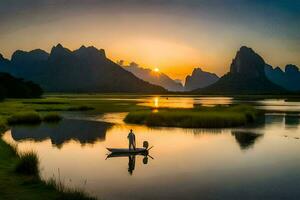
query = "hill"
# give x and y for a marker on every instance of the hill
(199, 79)
(246, 76)
(11, 87)
(86, 69)
(288, 79)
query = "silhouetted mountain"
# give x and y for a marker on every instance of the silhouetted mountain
(153, 77)
(246, 76)
(11, 87)
(288, 79)
(84, 70)
(199, 79)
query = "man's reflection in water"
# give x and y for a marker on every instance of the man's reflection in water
(131, 163)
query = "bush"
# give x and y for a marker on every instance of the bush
(28, 164)
(52, 117)
(24, 118)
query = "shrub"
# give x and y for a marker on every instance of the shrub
(28, 164)
(24, 118)
(52, 117)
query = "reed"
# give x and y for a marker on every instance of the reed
(28, 164)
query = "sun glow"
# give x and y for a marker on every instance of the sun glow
(156, 69)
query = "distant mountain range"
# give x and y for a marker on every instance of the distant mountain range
(288, 79)
(246, 76)
(156, 78)
(86, 69)
(199, 79)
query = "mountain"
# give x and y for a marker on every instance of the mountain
(246, 76)
(153, 77)
(11, 87)
(86, 69)
(199, 79)
(288, 79)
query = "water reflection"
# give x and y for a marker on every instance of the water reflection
(276, 105)
(246, 140)
(131, 159)
(292, 121)
(80, 130)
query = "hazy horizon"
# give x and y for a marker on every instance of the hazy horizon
(174, 36)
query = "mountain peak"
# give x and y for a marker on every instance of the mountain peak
(20, 56)
(199, 79)
(90, 51)
(248, 62)
(197, 70)
(1, 57)
(291, 69)
(58, 51)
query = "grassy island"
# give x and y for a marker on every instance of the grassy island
(200, 117)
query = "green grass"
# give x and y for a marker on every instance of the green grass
(68, 193)
(201, 117)
(28, 163)
(24, 118)
(52, 117)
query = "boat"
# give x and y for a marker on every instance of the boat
(127, 150)
(142, 150)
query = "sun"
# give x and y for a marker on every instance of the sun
(156, 69)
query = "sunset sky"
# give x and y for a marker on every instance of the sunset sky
(174, 36)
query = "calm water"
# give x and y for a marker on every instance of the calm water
(261, 162)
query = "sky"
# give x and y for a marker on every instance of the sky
(172, 35)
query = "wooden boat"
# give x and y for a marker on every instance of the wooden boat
(127, 151)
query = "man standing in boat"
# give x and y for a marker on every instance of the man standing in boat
(131, 138)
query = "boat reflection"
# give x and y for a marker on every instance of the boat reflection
(131, 159)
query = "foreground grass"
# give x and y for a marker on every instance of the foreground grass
(28, 164)
(19, 178)
(201, 117)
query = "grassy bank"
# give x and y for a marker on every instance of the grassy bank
(19, 173)
(201, 117)
(19, 177)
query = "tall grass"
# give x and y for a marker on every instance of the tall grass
(52, 117)
(3, 125)
(28, 164)
(24, 118)
(68, 193)
(201, 117)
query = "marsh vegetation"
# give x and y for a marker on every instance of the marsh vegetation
(200, 117)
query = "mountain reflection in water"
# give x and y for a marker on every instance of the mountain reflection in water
(82, 131)
(246, 140)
